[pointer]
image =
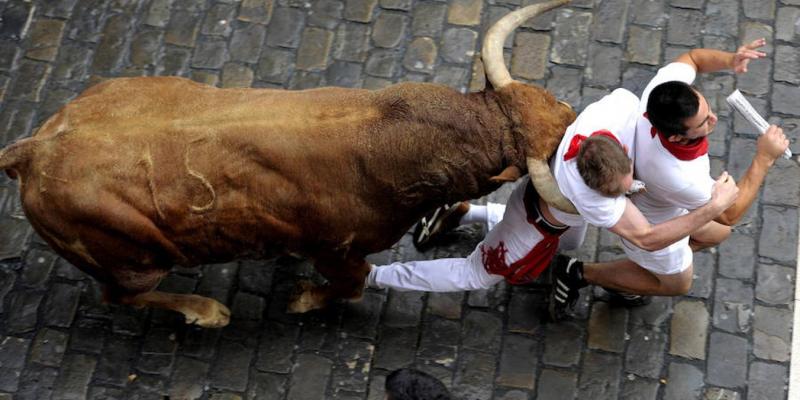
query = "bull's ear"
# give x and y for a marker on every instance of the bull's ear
(510, 174)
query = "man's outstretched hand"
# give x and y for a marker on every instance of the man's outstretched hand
(746, 53)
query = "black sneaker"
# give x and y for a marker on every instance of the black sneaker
(621, 299)
(567, 280)
(438, 221)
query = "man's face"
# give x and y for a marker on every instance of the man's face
(702, 123)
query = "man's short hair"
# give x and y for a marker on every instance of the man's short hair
(602, 163)
(669, 105)
(412, 384)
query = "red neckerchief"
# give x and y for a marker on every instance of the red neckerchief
(575, 144)
(684, 152)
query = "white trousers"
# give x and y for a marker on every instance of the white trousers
(458, 274)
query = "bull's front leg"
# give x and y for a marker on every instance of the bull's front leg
(345, 277)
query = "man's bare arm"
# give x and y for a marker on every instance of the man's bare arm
(771, 145)
(634, 227)
(710, 60)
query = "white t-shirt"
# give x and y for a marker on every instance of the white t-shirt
(616, 113)
(673, 185)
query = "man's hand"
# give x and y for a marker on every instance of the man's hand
(772, 144)
(746, 53)
(724, 192)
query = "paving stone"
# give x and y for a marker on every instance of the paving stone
(556, 384)
(302, 80)
(715, 393)
(361, 318)
(49, 347)
(645, 355)
(263, 386)
(445, 305)
(722, 18)
(87, 22)
(600, 376)
(759, 9)
(420, 55)
(564, 83)
(563, 344)
(638, 389)
(38, 265)
(36, 383)
(88, 335)
(454, 77)
(684, 381)
(653, 315)
(757, 80)
(458, 45)
(276, 346)
(8, 54)
(256, 11)
(526, 311)
(775, 284)
(518, 362)
(110, 53)
(543, 22)
(23, 307)
(312, 55)
(772, 333)
(383, 63)
(45, 38)
(474, 375)
(733, 305)
(643, 46)
(766, 381)
(351, 368)
(494, 297)
(158, 352)
(230, 370)
(18, 124)
(326, 14)
(464, 12)
(7, 280)
(31, 79)
(778, 234)
(650, 12)
(61, 305)
(16, 19)
(403, 309)
(604, 66)
(439, 341)
(116, 361)
(210, 54)
(684, 27)
(218, 20)
(482, 331)
(716, 89)
(73, 380)
(309, 380)
(188, 379)
(786, 24)
(529, 57)
(275, 66)
(428, 19)
(787, 60)
(727, 360)
(689, 330)
(737, 256)
(12, 360)
(285, 30)
(352, 42)
(72, 64)
(236, 76)
(128, 321)
(183, 28)
(246, 42)
(394, 348)
(145, 49)
(782, 96)
(610, 19)
(158, 13)
(389, 29)
(607, 328)
(571, 37)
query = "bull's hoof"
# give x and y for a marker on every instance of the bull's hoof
(207, 313)
(306, 297)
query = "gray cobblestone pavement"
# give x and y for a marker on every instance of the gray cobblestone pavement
(729, 338)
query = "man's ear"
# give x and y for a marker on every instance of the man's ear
(674, 138)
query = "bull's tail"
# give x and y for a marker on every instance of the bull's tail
(16, 157)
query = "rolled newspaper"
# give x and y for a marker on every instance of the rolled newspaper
(737, 101)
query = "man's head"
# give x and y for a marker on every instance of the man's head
(604, 166)
(680, 112)
(411, 384)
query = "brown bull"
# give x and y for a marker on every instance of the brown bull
(139, 174)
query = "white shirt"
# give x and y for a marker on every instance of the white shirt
(673, 186)
(616, 113)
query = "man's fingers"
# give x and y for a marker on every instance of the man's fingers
(756, 43)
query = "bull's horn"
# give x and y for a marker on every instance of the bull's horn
(546, 185)
(492, 52)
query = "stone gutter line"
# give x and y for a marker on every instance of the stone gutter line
(794, 364)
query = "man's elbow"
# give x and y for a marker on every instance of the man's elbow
(644, 242)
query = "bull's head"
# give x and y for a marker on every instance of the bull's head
(536, 114)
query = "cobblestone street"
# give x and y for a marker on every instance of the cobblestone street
(729, 338)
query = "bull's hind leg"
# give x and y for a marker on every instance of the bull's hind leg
(345, 281)
(199, 310)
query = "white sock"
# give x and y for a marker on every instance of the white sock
(475, 215)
